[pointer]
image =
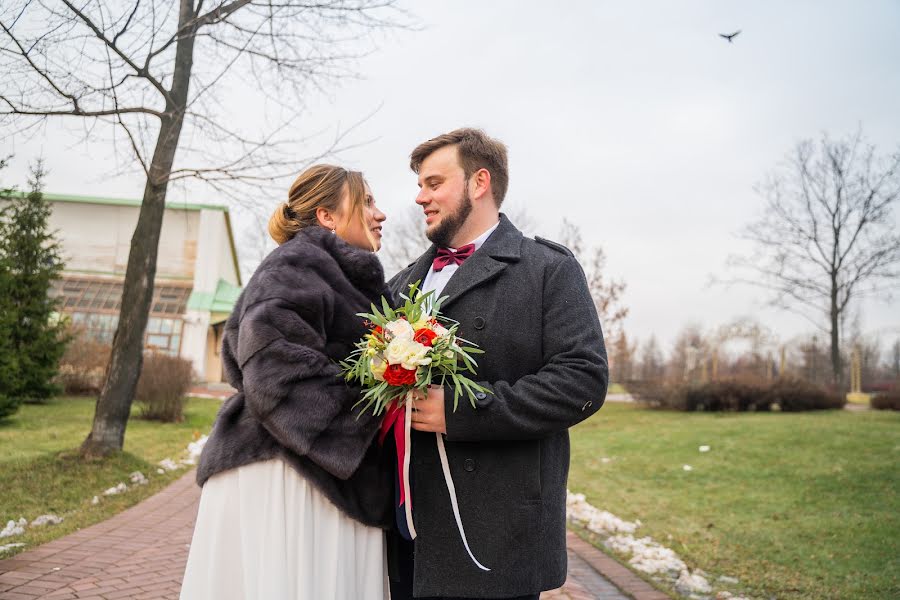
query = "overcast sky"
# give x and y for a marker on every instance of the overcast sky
(634, 120)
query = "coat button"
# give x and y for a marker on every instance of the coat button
(469, 465)
(478, 323)
(480, 395)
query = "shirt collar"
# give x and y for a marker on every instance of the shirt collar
(481, 239)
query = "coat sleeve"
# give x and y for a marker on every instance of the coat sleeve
(569, 387)
(295, 390)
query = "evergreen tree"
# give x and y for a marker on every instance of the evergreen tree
(31, 260)
(9, 402)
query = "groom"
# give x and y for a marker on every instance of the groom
(526, 304)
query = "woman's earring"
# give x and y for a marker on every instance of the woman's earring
(333, 231)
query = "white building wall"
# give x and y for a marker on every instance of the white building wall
(96, 239)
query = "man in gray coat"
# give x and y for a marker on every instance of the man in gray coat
(526, 304)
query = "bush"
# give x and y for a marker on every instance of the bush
(789, 395)
(162, 386)
(886, 400)
(83, 365)
(795, 395)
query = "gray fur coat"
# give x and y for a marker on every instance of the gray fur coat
(293, 321)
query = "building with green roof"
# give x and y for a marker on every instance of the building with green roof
(197, 279)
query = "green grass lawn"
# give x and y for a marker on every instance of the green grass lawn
(794, 505)
(40, 471)
(617, 388)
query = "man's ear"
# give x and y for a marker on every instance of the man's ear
(481, 182)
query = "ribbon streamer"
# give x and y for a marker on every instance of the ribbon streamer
(407, 505)
(452, 489)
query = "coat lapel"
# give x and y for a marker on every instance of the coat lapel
(502, 247)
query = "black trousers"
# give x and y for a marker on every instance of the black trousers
(401, 589)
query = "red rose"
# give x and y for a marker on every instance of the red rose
(424, 336)
(397, 375)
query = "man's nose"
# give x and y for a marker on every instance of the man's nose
(422, 197)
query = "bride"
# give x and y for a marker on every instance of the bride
(295, 492)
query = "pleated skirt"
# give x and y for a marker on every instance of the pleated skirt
(264, 532)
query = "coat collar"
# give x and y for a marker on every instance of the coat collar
(361, 267)
(502, 247)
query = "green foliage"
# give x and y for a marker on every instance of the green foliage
(448, 356)
(9, 402)
(30, 259)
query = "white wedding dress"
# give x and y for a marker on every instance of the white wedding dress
(263, 532)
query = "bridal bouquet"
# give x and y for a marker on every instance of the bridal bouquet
(407, 349)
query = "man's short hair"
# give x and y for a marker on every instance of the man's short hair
(476, 151)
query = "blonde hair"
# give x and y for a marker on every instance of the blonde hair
(319, 186)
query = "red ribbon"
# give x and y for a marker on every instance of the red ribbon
(395, 418)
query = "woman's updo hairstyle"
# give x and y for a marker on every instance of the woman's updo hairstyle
(318, 186)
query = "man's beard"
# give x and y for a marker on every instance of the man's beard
(443, 234)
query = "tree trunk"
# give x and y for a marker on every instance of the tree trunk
(837, 371)
(114, 404)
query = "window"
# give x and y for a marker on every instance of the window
(94, 305)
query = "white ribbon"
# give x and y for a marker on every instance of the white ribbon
(407, 506)
(452, 489)
(445, 466)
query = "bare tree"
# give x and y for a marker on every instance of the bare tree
(622, 356)
(828, 235)
(404, 239)
(893, 366)
(161, 78)
(606, 292)
(652, 362)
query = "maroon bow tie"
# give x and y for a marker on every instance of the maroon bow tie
(445, 256)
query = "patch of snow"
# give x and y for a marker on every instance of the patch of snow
(8, 547)
(727, 579)
(687, 467)
(692, 583)
(169, 465)
(95, 500)
(194, 450)
(646, 555)
(119, 489)
(138, 478)
(14, 528)
(46, 520)
(704, 448)
(595, 519)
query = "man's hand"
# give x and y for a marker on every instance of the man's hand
(428, 413)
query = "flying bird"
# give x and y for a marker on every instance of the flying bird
(730, 36)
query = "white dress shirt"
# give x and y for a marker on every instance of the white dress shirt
(437, 280)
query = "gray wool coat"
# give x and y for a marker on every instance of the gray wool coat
(296, 317)
(526, 303)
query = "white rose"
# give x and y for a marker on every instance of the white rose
(441, 330)
(407, 353)
(400, 329)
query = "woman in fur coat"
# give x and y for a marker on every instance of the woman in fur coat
(295, 491)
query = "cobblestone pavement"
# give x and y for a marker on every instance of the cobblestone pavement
(140, 554)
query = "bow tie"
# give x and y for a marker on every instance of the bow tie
(446, 257)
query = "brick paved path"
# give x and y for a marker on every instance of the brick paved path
(140, 554)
